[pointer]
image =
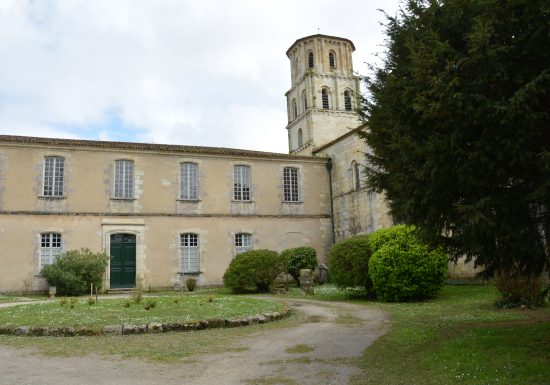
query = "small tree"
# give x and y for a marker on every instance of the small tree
(300, 258)
(75, 270)
(253, 270)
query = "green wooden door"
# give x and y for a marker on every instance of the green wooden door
(123, 260)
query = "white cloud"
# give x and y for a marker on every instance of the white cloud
(208, 73)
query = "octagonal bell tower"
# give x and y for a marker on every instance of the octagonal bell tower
(324, 93)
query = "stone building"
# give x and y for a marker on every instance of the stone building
(160, 210)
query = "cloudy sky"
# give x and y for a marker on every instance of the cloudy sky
(208, 72)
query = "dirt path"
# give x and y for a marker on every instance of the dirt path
(320, 350)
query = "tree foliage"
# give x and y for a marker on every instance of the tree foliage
(299, 258)
(348, 263)
(459, 127)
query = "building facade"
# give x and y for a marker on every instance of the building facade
(163, 210)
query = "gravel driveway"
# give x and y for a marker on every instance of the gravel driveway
(320, 350)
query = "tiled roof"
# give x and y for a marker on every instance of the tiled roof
(130, 146)
(320, 36)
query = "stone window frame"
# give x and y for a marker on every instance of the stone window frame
(242, 242)
(291, 185)
(355, 176)
(242, 183)
(310, 60)
(126, 180)
(325, 98)
(189, 181)
(348, 103)
(300, 138)
(189, 244)
(332, 59)
(51, 248)
(294, 108)
(304, 100)
(53, 180)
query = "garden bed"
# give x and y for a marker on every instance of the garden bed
(70, 317)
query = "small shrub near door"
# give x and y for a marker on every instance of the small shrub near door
(73, 272)
(253, 270)
(402, 268)
(299, 258)
(348, 263)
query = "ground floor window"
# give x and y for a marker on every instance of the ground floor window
(50, 248)
(190, 255)
(243, 242)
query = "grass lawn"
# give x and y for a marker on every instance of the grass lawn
(6, 298)
(113, 312)
(460, 338)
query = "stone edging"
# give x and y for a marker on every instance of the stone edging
(153, 327)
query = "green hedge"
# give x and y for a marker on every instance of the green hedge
(73, 271)
(299, 258)
(402, 268)
(253, 270)
(348, 263)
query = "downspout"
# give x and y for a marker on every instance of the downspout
(329, 169)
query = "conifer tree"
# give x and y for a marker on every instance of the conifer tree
(459, 127)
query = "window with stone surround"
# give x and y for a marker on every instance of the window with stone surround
(50, 248)
(300, 138)
(291, 191)
(124, 179)
(54, 169)
(310, 61)
(241, 183)
(189, 181)
(190, 252)
(304, 99)
(332, 59)
(347, 100)
(294, 109)
(243, 242)
(324, 98)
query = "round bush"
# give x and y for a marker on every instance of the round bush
(404, 269)
(299, 258)
(73, 272)
(348, 262)
(253, 270)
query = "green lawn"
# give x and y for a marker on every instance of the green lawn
(6, 298)
(112, 312)
(460, 338)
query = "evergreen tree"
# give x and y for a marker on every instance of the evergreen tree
(459, 127)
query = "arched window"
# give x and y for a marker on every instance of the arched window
(190, 252)
(304, 98)
(310, 61)
(332, 59)
(347, 100)
(294, 109)
(324, 98)
(300, 138)
(356, 176)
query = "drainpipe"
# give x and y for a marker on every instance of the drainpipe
(329, 169)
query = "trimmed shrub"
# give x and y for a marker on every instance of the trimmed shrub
(73, 272)
(253, 270)
(191, 284)
(348, 263)
(520, 290)
(299, 258)
(404, 269)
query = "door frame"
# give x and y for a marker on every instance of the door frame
(134, 282)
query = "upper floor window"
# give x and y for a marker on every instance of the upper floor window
(50, 248)
(347, 100)
(54, 168)
(300, 138)
(324, 98)
(332, 59)
(290, 185)
(294, 109)
(190, 253)
(243, 242)
(189, 181)
(124, 179)
(241, 183)
(304, 98)
(310, 61)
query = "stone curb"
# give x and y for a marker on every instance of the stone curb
(153, 327)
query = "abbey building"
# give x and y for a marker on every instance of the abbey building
(163, 210)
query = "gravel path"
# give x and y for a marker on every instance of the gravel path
(332, 335)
